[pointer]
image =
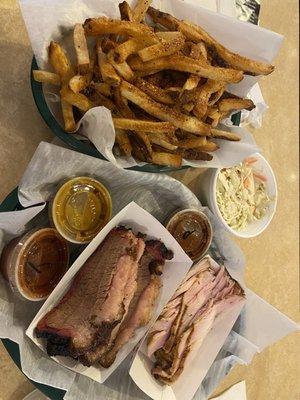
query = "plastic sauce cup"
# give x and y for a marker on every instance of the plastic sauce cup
(192, 230)
(80, 209)
(35, 262)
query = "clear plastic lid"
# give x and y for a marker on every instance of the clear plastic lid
(80, 209)
(192, 230)
(34, 263)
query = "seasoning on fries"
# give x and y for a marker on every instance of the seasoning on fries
(164, 83)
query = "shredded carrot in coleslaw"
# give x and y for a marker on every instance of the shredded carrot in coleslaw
(241, 194)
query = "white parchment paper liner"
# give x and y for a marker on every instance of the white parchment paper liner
(259, 325)
(54, 20)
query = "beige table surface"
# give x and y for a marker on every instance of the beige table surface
(272, 258)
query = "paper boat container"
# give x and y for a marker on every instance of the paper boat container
(197, 363)
(174, 271)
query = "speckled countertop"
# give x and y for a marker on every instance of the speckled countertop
(272, 258)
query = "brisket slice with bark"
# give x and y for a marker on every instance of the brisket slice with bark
(94, 304)
(141, 306)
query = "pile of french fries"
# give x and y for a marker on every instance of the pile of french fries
(164, 83)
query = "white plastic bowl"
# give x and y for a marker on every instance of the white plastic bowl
(207, 194)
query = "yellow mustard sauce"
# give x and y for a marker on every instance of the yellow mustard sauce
(81, 208)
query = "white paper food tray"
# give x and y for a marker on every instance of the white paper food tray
(174, 271)
(196, 365)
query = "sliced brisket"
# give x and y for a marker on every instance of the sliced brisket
(94, 305)
(142, 304)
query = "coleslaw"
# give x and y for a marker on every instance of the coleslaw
(241, 194)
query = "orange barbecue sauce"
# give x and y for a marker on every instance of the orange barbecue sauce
(192, 231)
(35, 262)
(42, 264)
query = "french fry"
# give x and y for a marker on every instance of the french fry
(203, 95)
(78, 100)
(121, 104)
(108, 73)
(102, 26)
(196, 34)
(102, 88)
(196, 154)
(170, 137)
(68, 116)
(168, 35)
(60, 62)
(124, 143)
(140, 10)
(155, 92)
(193, 80)
(108, 44)
(234, 60)
(200, 143)
(163, 19)
(192, 142)
(174, 91)
(143, 126)
(79, 82)
(143, 137)
(209, 146)
(189, 96)
(213, 116)
(165, 48)
(81, 49)
(187, 64)
(123, 68)
(156, 79)
(188, 107)
(125, 11)
(228, 105)
(215, 96)
(100, 100)
(218, 134)
(143, 74)
(125, 49)
(162, 111)
(62, 66)
(162, 141)
(139, 149)
(168, 159)
(46, 77)
(189, 32)
(203, 50)
(198, 52)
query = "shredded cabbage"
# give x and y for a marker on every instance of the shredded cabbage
(241, 195)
